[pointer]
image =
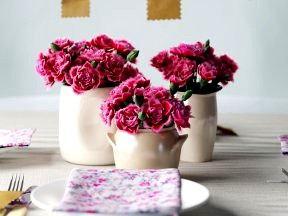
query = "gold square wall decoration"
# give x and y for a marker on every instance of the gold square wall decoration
(163, 9)
(75, 8)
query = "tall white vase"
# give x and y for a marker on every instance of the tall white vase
(202, 134)
(82, 134)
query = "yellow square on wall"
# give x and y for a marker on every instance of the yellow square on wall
(75, 8)
(164, 9)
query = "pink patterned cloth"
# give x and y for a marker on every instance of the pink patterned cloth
(120, 191)
(17, 137)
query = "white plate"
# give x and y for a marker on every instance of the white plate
(6, 149)
(48, 195)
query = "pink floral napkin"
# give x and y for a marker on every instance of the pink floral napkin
(284, 144)
(17, 137)
(122, 191)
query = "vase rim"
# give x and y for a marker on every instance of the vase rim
(88, 92)
(149, 130)
(200, 95)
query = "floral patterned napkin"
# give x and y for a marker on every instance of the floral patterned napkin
(284, 144)
(17, 137)
(122, 191)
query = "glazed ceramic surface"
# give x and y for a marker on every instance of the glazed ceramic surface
(202, 134)
(146, 150)
(82, 134)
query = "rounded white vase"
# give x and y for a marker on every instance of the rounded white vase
(199, 145)
(82, 133)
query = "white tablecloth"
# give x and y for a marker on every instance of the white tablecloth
(236, 178)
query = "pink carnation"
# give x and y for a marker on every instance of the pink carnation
(77, 47)
(182, 71)
(113, 65)
(161, 60)
(123, 46)
(129, 71)
(181, 114)
(102, 42)
(63, 43)
(120, 95)
(226, 69)
(90, 54)
(60, 61)
(160, 93)
(127, 118)
(68, 79)
(107, 111)
(42, 67)
(45, 70)
(84, 78)
(157, 114)
(49, 81)
(189, 50)
(127, 89)
(207, 70)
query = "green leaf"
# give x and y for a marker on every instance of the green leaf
(203, 83)
(173, 88)
(55, 47)
(126, 103)
(207, 45)
(94, 64)
(141, 116)
(132, 55)
(137, 100)
(187, 95)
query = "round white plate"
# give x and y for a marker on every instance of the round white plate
(48, 195)
(6, 149)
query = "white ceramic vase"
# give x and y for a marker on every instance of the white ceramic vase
(82, 134)
(202, 134)
(146, 149)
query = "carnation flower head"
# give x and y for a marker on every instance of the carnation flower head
(189, 50)
(127, 118)
(61, 44)
(123, 47)
(161, 60)
(157, 114)
(159, 93)
(182, 71)
(181, 114)
(60, 62)
(208, 70)
(226, 69)
(102, 42)
(84, 78)
(122, 95)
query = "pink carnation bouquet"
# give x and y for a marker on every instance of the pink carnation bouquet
(194, 68)
(85, 65)
(135, 104)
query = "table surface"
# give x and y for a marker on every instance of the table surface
(236, 178)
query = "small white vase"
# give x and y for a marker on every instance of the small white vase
(202, 134)
(146, 149)
(82, 134)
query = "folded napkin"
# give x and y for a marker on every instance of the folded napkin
(7, 196)
(18, 137)
(284, 144)
(18, 206)
(122, 191)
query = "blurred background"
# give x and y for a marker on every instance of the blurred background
(253, 32)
